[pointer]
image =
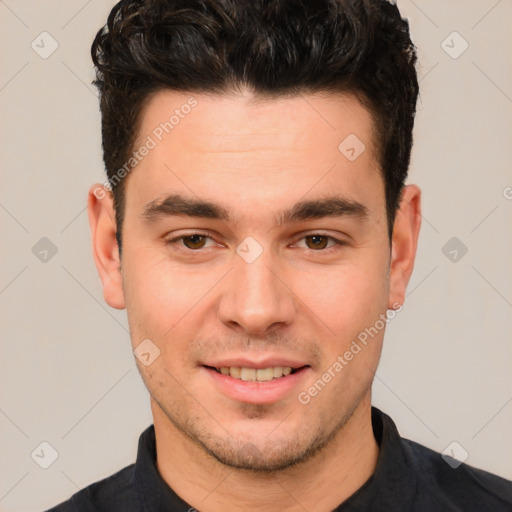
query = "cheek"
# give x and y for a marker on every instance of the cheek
(153, 294)
(346, 299)
(162, 299)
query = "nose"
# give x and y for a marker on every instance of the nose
(256, 299)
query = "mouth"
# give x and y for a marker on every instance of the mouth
(267, 384)
(256, 374)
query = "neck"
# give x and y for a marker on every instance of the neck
(321, 483)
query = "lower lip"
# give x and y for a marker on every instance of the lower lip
(254, 392)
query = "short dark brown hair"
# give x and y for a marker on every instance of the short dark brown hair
(271, 47)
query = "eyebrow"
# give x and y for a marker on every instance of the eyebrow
(180, 205)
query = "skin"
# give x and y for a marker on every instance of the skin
(255, 158)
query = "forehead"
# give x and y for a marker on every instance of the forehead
(250, 148)
(231, 122)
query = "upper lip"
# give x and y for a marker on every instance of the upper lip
(256, 362)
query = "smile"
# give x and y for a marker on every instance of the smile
(253, 374)
(264, 385)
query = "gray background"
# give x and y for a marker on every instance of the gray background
(68, 376)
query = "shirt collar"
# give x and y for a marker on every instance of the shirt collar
(394, 480)
(153, 492)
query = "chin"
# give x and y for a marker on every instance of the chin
(265, 450)
(247, 456)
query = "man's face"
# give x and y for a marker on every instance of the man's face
(256, 289)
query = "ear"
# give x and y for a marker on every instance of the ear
(404, 243)
(102, 222)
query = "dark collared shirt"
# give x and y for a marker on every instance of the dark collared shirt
(408, 478)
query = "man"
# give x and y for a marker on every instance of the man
(256, 227)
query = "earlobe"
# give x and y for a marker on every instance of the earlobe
(404, 244)
(104, 244)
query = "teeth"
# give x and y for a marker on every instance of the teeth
(260, 375)
(235, 372)
(248, 374)
(265, 374)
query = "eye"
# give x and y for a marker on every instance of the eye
(192, 241)
(320, 242)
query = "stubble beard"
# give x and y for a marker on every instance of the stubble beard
(273, 455)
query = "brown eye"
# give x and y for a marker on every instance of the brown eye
(316, 241)
(194, 241)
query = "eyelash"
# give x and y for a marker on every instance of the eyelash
(337, 243)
